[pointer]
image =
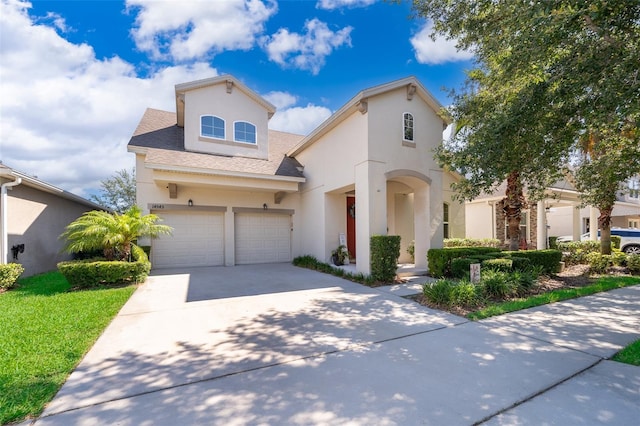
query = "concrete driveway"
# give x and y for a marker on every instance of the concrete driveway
(276, 344)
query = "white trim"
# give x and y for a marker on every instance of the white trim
(235, 139)
(216, 172)
(413, 127)
(224, 127)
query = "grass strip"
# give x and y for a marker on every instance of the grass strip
(602, 284)
(630, 354)
(45, 330)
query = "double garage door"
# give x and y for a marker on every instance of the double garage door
(198, 239)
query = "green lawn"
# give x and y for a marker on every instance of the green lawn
(602, 284)
(44, 332)
(630, 354)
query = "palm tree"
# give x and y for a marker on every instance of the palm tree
(113, 233)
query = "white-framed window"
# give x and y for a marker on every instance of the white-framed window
(212, 127)
(243, 131)
(445, 219)
(407, 126)
(634, 188)
(524, 227)
(634, 223)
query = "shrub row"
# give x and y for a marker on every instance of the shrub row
(471, 242)
(599, 263)
(93, 273)
(548, 260)
(311, 262)
(633, 263)
(439, 260)
(385, 251)
(494, 286)
(576, 252)
(9, 274)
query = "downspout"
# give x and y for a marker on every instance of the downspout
(3, 210)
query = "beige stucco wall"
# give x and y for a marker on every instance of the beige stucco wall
(356, 155)
(479, 220)
(202, 190)
(36, 219)
(232, 107)
(457, 224)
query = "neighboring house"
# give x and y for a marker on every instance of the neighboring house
(34, 214)
(236, 192)
(560, 211)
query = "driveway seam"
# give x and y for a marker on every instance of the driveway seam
(540, 392)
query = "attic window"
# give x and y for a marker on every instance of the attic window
(407, 123)
(244, 132)
(212, 127)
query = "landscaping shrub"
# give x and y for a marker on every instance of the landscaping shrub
(503, 265)
(615, 241)
(93, 273)
(553, 243)
(460, 267)
(439, 292)
(575, 252)
(464, 294)
(385, 251)
(549, 259)
(471, 242)
(524, 281)
(633, 263)
(619, 258)
(306, 261)
(439, 260)
(599, 263)
(9, 274)
(520, 263)
(496, 285)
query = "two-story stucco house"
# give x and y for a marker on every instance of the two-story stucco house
(236, 192)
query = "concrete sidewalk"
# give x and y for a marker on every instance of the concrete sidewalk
(275, 344)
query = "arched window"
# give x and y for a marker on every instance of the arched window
(445, 219)
(212, 126)
(244, 132)
(407, 123)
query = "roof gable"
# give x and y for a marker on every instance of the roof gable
(231, 83)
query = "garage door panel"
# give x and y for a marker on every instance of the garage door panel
(262, 238)
(197, 240)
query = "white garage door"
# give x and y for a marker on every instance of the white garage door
(197, 240)
(262, 238)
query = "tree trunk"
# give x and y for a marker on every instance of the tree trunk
(604, 223)
(512, 206)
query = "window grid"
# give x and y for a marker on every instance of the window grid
(212, 127)
(244, 132)
(407, 123)
(445, 219)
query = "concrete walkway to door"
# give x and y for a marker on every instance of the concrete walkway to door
(276, 344)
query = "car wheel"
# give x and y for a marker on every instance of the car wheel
(632, 249)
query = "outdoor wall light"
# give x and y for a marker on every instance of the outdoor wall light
(190, 203)
(264, 206)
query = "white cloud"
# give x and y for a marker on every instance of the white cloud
(184, 30)
(67, 116)
(306, 51)
(294, 119)
(436, 51)
(281, 100)
(299, 120)
(336, 4)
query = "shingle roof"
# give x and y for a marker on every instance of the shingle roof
(164, 140)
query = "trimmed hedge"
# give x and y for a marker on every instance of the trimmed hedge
(385, 251)
(471, 242)
(615, 241)
(549, 259)
(503, 265)
(520, 263)
(9, 274)
(91, 273)
(460, 267)
(439, 260)
(633, 263)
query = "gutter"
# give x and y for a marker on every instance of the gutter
(3, 211)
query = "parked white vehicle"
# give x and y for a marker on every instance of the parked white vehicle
(629, 239)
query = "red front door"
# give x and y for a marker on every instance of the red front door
(351, 226)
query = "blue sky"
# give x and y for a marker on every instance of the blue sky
(76, 76)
